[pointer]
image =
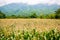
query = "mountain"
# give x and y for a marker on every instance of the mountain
(24, 9)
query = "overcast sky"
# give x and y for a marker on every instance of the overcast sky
(30, 2)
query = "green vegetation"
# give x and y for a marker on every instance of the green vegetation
(2, 15)
(33, 15)
(28, 35)
(55, 15)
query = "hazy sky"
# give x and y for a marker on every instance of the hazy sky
(30, 2)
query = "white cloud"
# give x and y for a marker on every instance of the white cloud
(30, 2)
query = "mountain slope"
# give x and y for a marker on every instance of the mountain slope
(24, 9)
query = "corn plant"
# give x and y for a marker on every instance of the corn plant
(29, 35)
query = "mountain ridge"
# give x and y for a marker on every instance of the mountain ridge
(24, 9)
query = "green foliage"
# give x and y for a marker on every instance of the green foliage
(2, 15)
(50, 16)
(33, 15)
(42, 16)
(30, 35)
(55, 15)
(57, 12)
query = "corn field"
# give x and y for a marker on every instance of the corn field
(5, 34)
(29, 29)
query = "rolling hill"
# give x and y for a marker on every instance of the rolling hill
(24, 9)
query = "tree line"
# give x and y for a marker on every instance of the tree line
(55, 15)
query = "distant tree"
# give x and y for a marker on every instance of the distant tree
(33, 15)
(42, 16)
(57, 14)
(2, 15)
(13, 16)
(18, 16)
(50, 16)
